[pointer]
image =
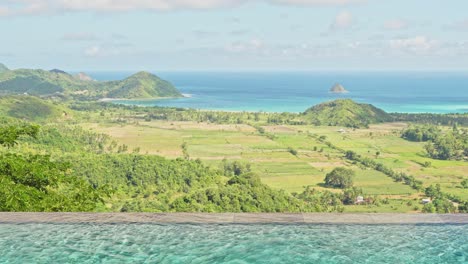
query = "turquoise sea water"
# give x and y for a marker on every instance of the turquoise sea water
(433, 92)
(255, 243)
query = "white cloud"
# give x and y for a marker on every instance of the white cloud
(317, 2)
(4, 11)
(396, 24)
(93, 51)
(460, 25)
(253, 45)
(79, 36)
(25, 7)
(418, 44)
(344, 20)
(204, 33)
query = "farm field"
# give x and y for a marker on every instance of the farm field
(269, 153)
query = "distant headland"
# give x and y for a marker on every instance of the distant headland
(58, 83)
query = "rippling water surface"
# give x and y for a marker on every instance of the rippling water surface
(255, 243)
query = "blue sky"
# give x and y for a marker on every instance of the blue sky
(235, 34)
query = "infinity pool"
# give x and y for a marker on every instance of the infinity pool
(232, 243)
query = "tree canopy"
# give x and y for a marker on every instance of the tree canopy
(340, 178)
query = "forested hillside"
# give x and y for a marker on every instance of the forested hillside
(61, 165)
(59, 84)
(65, 168)
(345, 112)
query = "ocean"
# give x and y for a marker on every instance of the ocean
(409, 92)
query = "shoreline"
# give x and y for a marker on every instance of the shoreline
(142, 99)
(117, 100)
(113, 100)
(233, 218)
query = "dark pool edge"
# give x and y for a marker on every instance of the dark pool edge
(235, 218)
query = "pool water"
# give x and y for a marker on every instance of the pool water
(232, 243)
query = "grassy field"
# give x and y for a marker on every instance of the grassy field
(270, 156)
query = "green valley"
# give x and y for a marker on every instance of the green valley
(156, 159)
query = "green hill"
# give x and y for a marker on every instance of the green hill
(3, 68)
(32, 108)
(38, 82)
(346, 112)
(55, 82)
(143, 85)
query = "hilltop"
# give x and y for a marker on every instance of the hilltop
(60, 83)
(346, 112)
(143, 85)
(58, 71)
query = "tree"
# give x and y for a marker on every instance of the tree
(340, 178)
(37, 183)
(444, 206)
(433, 191)
(351, 155)
(10, 134)
(292, 151)
(429, 208)
(464, 183)
(463, 207)
(350, 195)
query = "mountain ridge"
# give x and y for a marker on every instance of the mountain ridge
(56, 82)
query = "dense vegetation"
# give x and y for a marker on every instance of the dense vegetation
(421, 133)
(450, 145)
(32, 108)
(59, 84)
(443, 145)
(31, 182)
(108, 176)
(434, 119)
(84, 172)
(440, 202)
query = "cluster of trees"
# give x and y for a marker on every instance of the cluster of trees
(421, 133)
(440, 203)
(448, 146)
(441, 145)
(174, 114)
(242, 193)
(30, 182)
(326, 201)
(75, 176)
(235, 168)
(434, 119)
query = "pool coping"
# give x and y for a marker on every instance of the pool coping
(235, 218)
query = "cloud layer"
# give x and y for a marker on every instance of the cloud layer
(34, 7)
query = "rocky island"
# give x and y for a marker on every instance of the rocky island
(338, 88)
